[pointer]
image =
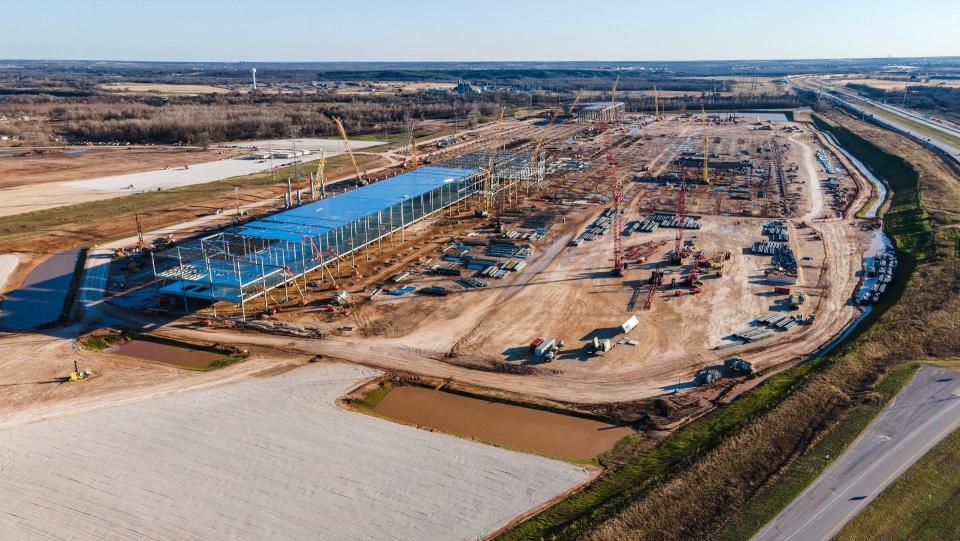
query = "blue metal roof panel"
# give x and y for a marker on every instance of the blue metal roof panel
(365, 200)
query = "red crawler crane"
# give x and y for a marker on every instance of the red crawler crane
(616, 185)
(655, 279)
(681, 217)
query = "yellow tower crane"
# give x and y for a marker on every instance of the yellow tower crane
(320, 178)
(346, 143)
(412, 158)
(540, 139)
(706, 148)
(657, 115)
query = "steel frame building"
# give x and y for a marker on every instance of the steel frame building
(601, 111)
(244, 263)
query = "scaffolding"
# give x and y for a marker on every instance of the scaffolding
(269, 259)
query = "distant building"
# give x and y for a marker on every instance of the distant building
(464, 87)
(604, 111)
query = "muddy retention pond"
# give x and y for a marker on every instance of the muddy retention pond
(168, 354)
(517, 427)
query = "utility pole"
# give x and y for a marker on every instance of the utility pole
(236, 192)
(74, 346)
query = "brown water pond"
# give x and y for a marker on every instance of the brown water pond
(517, 427)
(179, 356)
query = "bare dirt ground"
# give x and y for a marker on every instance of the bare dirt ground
(163, 89)
(568, 293)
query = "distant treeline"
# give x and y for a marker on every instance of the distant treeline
(214, 118)
(200, 120)
(715, 102)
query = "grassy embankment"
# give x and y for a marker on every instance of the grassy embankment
(719, 462)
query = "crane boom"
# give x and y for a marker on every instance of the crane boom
(412, 157)
(616, 186)
(346, 143)
(540, 140)
(321, 165)
(657, 115)
(706, 148)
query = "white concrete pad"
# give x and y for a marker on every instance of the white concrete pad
(306, 143)
(8, 264)
(272, 458)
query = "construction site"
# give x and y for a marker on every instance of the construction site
(557, 252)
(542, 297)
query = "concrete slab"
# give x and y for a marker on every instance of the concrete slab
(271, 458)
(8, 264)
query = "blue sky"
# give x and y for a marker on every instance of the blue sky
(421, 30)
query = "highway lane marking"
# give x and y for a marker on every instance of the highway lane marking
(879, 459)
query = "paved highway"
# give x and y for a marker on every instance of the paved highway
(894, 117)
(924, 412)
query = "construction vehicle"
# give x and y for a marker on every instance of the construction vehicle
(599, 346)
(738, 364)
(435, 291)
(546, 349)
(361, 180)
(707, 376)
(78, 374)
(141, 244)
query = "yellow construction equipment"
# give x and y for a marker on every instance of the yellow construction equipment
(141, 244)
(706, 148)
(657, 115)
(77, 374)
(576, 100)
(346, 143)
(320, 179)
(412, 158)
(539, 140)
